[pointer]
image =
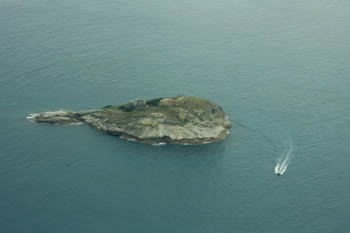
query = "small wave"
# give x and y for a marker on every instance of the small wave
(32, 115)
(78, 123)
(129, 139)
(159, 144)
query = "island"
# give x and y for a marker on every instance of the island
(172, 120)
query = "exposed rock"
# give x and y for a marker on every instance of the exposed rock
(56, 117)
(177, 120)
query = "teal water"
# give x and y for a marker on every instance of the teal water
(280, 69)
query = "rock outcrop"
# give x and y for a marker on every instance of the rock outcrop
(175, 120)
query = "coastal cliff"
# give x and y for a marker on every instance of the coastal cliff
(173, 120)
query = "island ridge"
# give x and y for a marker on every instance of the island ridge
(173, 120)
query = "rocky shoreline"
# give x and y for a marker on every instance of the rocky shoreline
(172, 120)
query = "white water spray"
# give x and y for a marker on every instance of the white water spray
(284, 160)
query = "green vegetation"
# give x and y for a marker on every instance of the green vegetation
(125, 108)
(170, 107)
(110, 107)
(154, 102)
(193, 102)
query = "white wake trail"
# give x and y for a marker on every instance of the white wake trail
(277, 168)
(284, 160)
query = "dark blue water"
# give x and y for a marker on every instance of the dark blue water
(280, 69)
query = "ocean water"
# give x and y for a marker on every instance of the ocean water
(280, 69)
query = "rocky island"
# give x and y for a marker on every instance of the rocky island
(173, 120)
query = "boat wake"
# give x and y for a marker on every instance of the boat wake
(284, 160)
(276, 135)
